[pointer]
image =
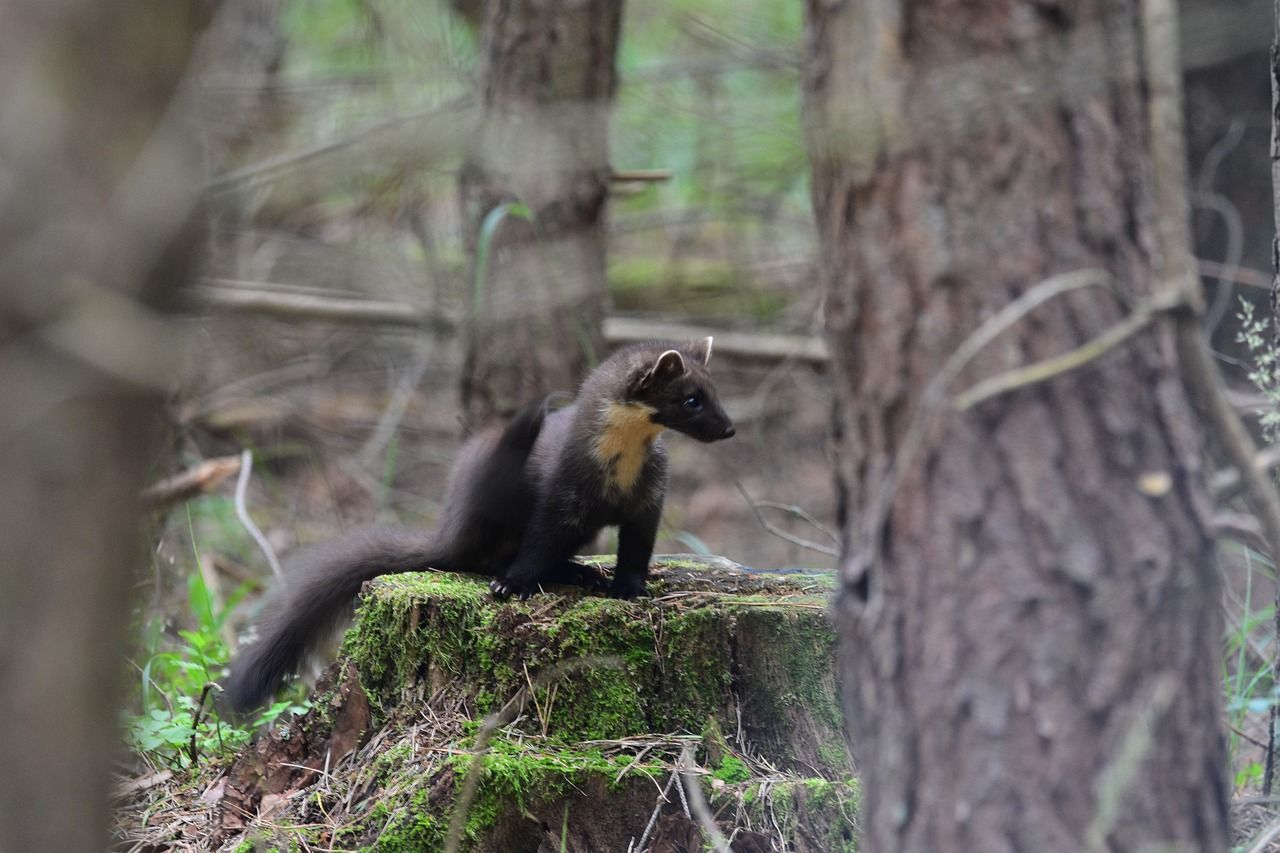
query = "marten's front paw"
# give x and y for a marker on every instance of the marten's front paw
(503, 588)
(587, 577)
(627, 587)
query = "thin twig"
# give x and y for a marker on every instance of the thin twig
(1265, 838)
(393, 414)
(1226, 484)
(289, 303)
(934, 396)
(779, 532)
(454, 117)
(502, 717)
(194, 481)
(649, 176)
(1090, 351)
(193, 748)
(1240, 275)
(1240, 527)
(800, 513)
(1230, 216)
(1239, 733)
(270, 300)
(242, 512)
(807, 348)
(653, 818)
(699, 803)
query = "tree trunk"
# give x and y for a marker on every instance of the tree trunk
(1269, 772)
(97, 190)
(1029, 640)
(539, 285)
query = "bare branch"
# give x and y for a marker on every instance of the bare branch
(779, 532)
(1240, 275)
(293, 303)
(877, 512)
(1042, 371)
(393, 414)
(274, 301)
(1226, 484)
(648, 176)
(1240, 527)
(201, 479)
(242, 512)
(443, 126)
(698, 802)
(810, 348)
(801, 513)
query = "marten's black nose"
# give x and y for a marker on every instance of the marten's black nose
(728, 432)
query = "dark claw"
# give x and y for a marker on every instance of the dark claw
(503, 589)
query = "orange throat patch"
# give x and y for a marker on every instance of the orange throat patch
(623, 444)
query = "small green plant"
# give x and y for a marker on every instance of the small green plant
(732, 770)
(174, 721)
(1263, 371)
(1247, 677)
(1249, 685)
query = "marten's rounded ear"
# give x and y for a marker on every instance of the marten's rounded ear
(702, 349)
(670, 365)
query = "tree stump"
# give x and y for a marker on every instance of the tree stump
(591, 702)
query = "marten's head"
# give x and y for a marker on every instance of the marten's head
(676, 386)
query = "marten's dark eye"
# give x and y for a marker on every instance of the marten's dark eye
(693, 403)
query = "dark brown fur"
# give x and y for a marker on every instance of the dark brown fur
(522, 500)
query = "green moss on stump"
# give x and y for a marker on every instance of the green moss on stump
(711, 643)
(522, 793)
(534, 796)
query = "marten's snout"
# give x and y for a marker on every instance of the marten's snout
(728, 432)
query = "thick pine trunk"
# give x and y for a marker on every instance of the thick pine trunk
(548, 83)
(1269, 773)
(1030, 659)
(96, 184)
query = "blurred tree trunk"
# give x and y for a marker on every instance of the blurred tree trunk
(97, 192)
(1269, 772)
(538, 290)
(1030, 643)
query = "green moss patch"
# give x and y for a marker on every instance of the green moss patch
(532, 795)
(741, 648)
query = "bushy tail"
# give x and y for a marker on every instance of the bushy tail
(318, 592)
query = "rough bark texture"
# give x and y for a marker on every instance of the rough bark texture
(1275, 187)
(1268, 782)
(1031, 664)
(548, 83)
(94, 192)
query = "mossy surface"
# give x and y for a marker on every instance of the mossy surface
(538, 796)
(728, 669)
(520, 788)
(736, 646)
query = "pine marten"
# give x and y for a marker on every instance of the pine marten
(522, 499)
